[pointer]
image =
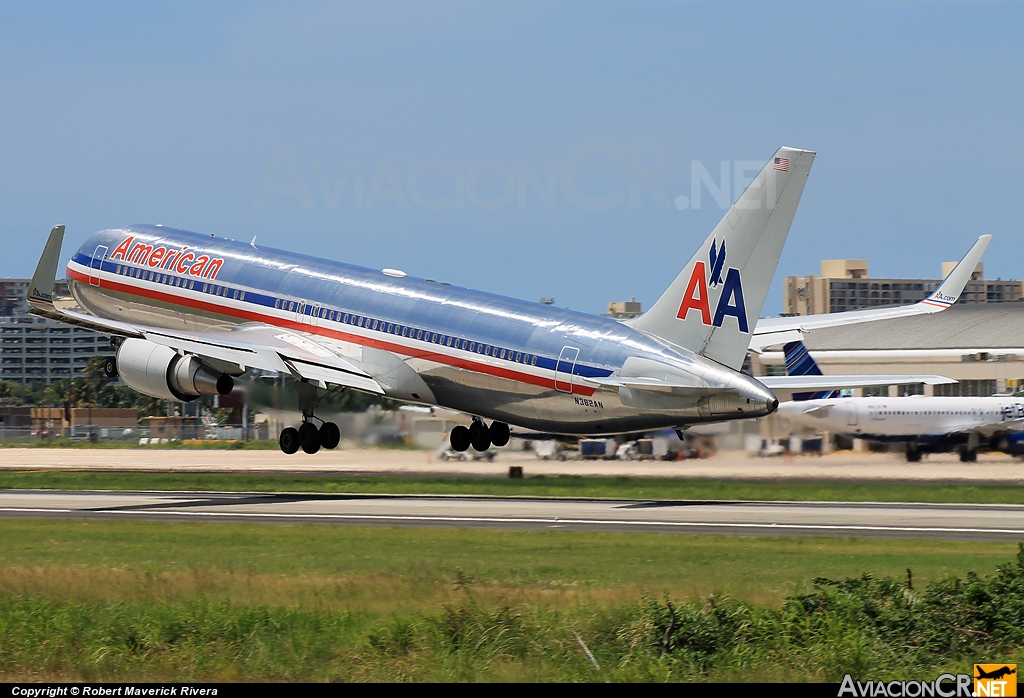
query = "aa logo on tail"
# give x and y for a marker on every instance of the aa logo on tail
(730, 300)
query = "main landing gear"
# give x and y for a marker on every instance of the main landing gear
(968, 455)
(308, 437)
(479, 436)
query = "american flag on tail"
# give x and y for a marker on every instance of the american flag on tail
(781, 164)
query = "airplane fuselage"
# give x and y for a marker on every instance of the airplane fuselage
(504, 359)
(912, 418)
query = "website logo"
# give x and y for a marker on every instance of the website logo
(995, 680)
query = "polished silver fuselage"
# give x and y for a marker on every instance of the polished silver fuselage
(523, 363)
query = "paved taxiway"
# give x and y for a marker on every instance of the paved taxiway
(991, 468)
(949, 521)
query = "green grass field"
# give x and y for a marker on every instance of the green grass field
(563, 486)
(125, 600)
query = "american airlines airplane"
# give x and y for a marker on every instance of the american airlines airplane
(939, 423)
(189, 312)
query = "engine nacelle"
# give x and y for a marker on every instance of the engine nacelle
(159, 371)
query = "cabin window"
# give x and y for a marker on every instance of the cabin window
(359, 322)
(419, 334)
(502, 353)
(533, 360)
(190, 284)
(519, 357)
(277, 302)
(487, 350)
(449, 342)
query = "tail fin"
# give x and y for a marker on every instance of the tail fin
(712, 306)
(800, 363)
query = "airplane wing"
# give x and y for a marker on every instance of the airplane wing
(781, 330)
(841, 382)
(253, 345)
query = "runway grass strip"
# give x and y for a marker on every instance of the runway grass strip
(561, 486)
(131, 600)
(215, 558)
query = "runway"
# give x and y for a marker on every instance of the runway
(842, 466)
(944, 521)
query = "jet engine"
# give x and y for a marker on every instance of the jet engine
(159, 371)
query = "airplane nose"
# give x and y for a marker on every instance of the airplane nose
(773, 405)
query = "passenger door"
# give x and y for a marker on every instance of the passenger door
(564, 368)
(96, 265)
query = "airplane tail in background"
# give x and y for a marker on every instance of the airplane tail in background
(800, 363)
(714, 304)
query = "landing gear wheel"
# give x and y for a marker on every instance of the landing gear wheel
(913, 454)
(968, 455)
(330, 435)
(289, 440)
(459, 438)
(309, 438)
(110, 367)
(499, 433)
(480, 437)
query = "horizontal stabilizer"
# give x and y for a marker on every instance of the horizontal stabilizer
(660, 385)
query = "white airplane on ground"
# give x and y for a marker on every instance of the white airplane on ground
(923, 423)
(189, 312)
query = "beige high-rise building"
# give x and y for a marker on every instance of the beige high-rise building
(844, 284)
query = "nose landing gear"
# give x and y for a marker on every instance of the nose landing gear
(479, 436)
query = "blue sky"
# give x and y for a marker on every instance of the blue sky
(513, 147)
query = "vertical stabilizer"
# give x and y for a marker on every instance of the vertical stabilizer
(713, 305)
(799, 362)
